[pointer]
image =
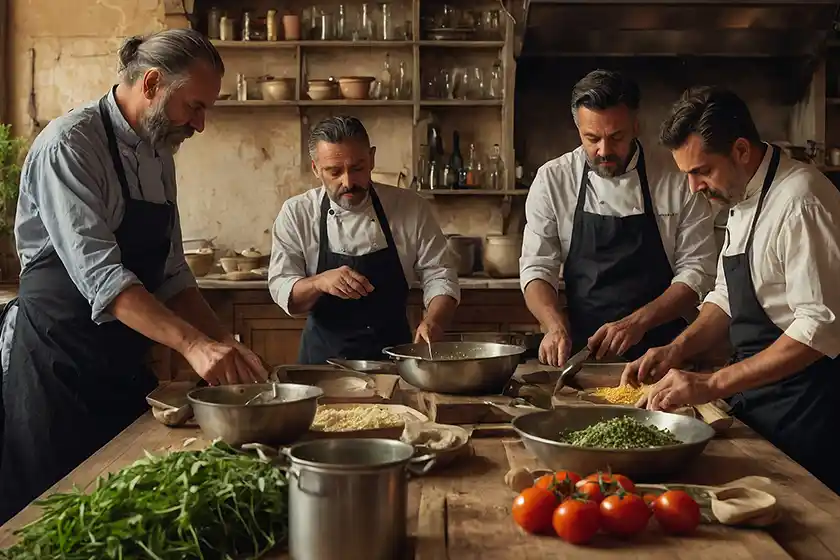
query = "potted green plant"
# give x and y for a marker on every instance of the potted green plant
(12, 151)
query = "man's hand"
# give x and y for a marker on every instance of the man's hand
(221, 363)
(652, 366)
(678, 388)
(614, 339)
(257, 365)
(555, 347)
(428, 331)
(343, 282)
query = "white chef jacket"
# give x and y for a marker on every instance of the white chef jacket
(419, 240)
(685, 221)
(795, 258)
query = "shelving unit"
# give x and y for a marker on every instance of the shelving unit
(413, 52)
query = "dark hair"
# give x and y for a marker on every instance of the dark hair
(335, 130)
(173, 52)
(602, 89)
(714, 113)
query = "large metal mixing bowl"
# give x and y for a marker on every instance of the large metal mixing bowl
(541, 430)
(460, 368)
(221, 412)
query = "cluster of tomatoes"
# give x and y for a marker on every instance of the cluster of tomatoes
(576, 509)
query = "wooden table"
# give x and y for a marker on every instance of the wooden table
(463, 512)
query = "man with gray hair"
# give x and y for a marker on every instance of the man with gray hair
(635, 248)
(346, 253)
(103, 270)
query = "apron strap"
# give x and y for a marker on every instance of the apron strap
(641, 170)
(113, 147)
(765, 188)
(323, 240)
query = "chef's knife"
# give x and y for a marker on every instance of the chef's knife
(570, 369)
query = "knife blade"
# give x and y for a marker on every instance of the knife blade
(570, 369)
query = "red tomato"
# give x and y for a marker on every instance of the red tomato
(592, 490)
(576, 521)
(614, 481)
(677, 512)
(561, 482)
(624, 514)
(533, 509)
(649, 499)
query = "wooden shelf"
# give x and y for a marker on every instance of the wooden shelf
(256, 45)
(462, 103)
(472, 192)
(462, 44)
(311, 103)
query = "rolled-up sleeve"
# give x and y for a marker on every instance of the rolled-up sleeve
(178, 276)
(288, 263)
(68, 195)
(542, 251)
(809, 249)
(720, 295)
(434, 264)
(694, 255)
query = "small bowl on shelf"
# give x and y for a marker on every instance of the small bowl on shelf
(355, 87)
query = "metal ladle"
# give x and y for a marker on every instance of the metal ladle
(262, 395)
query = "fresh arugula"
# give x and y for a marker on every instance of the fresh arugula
(215, 503)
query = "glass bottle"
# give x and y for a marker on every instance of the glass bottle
(495, 88)
(386, 78)
(402, 89)
(434, 177)
(456, 163)
(386, 28)
(366, 26)
(423, 166)
(495, 170)
(214, 29)
(341, 24)
(472, 169)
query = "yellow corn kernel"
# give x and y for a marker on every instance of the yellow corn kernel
(620, 395)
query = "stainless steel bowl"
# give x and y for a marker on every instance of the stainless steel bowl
(539, 432)
(221, 412)
(461, 368)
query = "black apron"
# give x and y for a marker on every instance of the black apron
(800, 414)
(358, 329)
(73, 385)
(615, 266)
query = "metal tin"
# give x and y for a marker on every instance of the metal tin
(271, 25)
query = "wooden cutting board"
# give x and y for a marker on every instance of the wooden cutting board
(458, 409)
(321, 376)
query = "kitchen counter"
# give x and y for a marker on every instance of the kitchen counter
(463, 511)
(217, 282)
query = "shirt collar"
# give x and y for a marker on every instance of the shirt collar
(757, 181)
(122, 129)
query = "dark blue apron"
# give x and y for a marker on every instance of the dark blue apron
(358, 329)
(615, 266)
(73, 385)
(800, 414)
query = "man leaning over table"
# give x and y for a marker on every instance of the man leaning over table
(345, 254)
(777, 293)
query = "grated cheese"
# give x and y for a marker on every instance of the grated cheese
(624, 394)
(355, 418)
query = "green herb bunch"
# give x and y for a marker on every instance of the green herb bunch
(12, 151)
(623, 432)
(215, 503)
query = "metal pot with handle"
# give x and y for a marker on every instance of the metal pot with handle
(501, 255)
(348, 498)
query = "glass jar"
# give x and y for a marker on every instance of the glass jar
(214, 18)
(386, 27)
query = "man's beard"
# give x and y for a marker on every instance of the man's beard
(158, 130)
(348, 203)
(607, 171)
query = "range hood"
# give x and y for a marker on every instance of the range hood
(744, 28)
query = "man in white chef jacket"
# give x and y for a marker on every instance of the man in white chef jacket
(777, 294)
(346, 253)
(636, 248)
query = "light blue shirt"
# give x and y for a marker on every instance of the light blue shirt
(71, 203)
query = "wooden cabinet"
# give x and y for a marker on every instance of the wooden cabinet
(262, 326)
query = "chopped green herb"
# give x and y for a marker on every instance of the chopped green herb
(215, 503)
(623, 432)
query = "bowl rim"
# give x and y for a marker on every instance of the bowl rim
(193, 400)
(513, 350)
(607, 450)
